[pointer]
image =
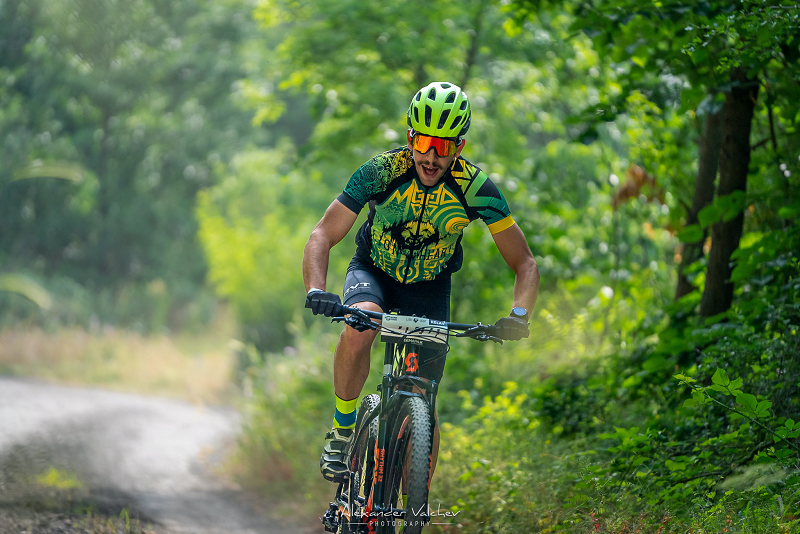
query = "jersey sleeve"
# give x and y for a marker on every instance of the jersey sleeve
(357, 192)
(490, 204)
(373, 176)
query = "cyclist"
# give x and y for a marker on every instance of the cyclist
(421, 197)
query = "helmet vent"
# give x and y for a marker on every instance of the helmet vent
(450, 98)
(443, 119)
(419, 96)
(416, 114)
(428, 113)
(456, 121)
(446, 86)
(463, 105)
(432, 93)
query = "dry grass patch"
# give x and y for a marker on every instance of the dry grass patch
(198, 368)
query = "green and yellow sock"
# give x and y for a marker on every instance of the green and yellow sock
(345, 415)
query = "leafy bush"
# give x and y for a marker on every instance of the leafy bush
(289, 410)
(622, 446)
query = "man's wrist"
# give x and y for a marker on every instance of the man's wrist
(519, 312)
(315, 289)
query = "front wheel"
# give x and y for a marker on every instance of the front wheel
(362, 466)
(408, 468)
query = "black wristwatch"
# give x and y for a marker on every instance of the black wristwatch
(519, 312)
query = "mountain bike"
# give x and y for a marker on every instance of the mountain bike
(390, 453)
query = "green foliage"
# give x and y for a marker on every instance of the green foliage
(291, 408)
(22, 285)
(253, 234)
(147, 124)
(132, 98)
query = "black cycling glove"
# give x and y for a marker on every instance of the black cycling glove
(324, 303)
(513, 328)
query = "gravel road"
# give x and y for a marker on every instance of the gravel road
(156, 457)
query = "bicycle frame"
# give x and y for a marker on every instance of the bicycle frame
(398, 382)
(392, 393)
(404, 336)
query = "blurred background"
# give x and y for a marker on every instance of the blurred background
(163, 163)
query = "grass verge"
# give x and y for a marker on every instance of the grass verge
(194, 367)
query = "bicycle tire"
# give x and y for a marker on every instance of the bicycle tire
(410, 441)
(361, 460)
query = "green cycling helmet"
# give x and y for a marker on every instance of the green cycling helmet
(440, 109)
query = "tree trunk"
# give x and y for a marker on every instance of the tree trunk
(104, 201)
(472, 51)
(421, 76)
(733, 163)
(708, 162)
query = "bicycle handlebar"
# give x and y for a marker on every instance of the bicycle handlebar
(364, 319)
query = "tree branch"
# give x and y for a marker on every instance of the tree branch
(759, 423)
(725, 472)
(760, 144)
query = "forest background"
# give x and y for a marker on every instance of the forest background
(162, 164)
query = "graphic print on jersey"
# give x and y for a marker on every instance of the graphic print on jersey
(412, 230)
(416, 230)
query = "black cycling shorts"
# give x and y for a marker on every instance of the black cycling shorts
(366, 283)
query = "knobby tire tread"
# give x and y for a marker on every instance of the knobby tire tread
(415, 444)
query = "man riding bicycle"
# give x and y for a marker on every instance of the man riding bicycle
(421, 197)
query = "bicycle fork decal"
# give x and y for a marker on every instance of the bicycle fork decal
(412, 362)
(380, 455)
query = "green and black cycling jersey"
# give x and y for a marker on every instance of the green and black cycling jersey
(413, 232)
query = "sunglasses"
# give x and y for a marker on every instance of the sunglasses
(423, 143)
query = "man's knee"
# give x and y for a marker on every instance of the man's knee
(354, 342)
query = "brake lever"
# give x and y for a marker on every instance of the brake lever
(358, 321)
(472, 332)
(479, 332)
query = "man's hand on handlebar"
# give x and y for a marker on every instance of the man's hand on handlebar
(513, 328)
(324, 303)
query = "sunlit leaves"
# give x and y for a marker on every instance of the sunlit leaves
(26, 287)
(690, 234)
(725, 208)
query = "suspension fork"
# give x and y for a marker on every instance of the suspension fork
(389, 400)
(385, 391)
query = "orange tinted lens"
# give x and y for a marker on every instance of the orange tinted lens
(443, 147)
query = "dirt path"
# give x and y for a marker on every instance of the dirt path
(109, 451)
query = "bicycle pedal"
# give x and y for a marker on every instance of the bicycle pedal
(342, 478)
(331, 518)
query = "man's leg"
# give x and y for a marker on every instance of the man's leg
(351, 359)
(350, 371)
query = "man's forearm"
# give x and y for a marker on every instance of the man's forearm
(526, 285)
(315, 261)
(334, 225)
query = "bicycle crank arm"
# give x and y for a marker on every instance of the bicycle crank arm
(331, 518)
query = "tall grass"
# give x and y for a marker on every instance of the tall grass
(195, 367)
